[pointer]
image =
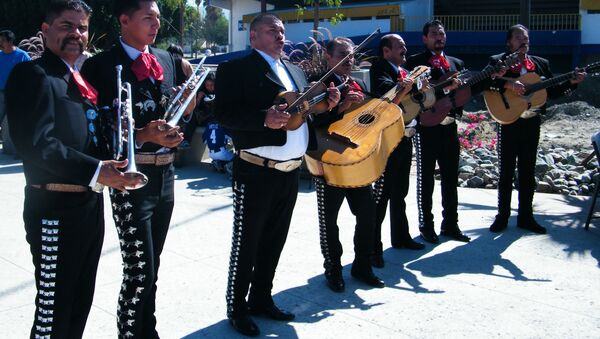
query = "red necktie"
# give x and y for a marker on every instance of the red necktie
(402, 74)
(529, 66)
(87, 91)
(354, 86)
(146, 66)
(439, 61)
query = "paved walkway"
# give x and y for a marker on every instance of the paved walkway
(510, 285)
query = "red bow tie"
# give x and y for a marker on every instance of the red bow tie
(86, 90)
(439, 61)
(529, 66)
(146, 66)
(354, 86)
(402, 74)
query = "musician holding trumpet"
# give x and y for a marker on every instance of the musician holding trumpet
(55, 130)
(142, 216)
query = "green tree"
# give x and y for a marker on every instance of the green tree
(214, 28)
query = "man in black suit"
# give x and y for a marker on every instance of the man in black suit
(330, 198)
(141, 216)
(55, 123)
(385, 73)
(265, 169)
(438, 143)
(520, 138)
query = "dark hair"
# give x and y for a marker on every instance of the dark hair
(431, 23)
(56, 8)
(261, 19)
(513, 29)
(176, 51)
(338, 41)
(386, 41)
(9, 36)
(127, 7)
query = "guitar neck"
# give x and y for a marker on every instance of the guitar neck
(315, 100)
(550, 82)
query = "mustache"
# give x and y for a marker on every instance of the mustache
(63, 45)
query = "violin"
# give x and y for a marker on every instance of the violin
(301, 105)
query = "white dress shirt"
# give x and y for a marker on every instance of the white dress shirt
(296, 140)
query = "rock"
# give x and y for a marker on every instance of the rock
(584, 178)
(549, 159)
(475, 182)
(541, 167)
(560, 182)
(572, 183)
(466, 169)
(464, 176)
(544, 187)
(572, 160)
(555, 173)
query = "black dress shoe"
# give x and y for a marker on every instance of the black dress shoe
(367, 277)
(272, 312)
(377, 261)
(499, 224)
(531, 225)
(428, 234)
(335, 282)
(244, 325)
(455, 234)
(410, 244)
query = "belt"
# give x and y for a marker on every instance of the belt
(62, 188)
(284, 166)
(154, 159)
(528, 114)
(447, 121)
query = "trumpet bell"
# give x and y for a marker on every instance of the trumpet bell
(140, 178)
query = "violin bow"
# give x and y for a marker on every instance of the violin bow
(328, 74)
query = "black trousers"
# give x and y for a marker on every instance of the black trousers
(362, 205)
(393, 186)
(142, 219)
(65, 232)
(263, 202)
(437, 144)
(517, 140)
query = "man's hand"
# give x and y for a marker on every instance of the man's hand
(110, 175)
(186, 93)
(158, 132)
(515, 86)
(579, 76)
(456, 82)
(350, 99)
(333, 96)
(276, 116)
(405, 88)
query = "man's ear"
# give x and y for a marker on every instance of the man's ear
(45, 28)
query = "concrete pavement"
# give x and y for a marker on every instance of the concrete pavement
(515, 284)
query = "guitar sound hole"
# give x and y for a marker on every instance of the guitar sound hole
(366, 119)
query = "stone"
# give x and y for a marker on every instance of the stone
(466, 169)
(544, 187)
(475, 182)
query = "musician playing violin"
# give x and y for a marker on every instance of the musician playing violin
(265, 169)
(392, 186)
(438, 143)
(330, 198)
(519, 140)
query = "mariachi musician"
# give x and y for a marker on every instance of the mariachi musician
(55, 124)
(520, 138)
(393, 185)
(330, 198)
(265, 169)
(142, 216)
(438, 143)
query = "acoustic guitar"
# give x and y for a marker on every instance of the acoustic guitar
(353, 151)
(506, 107)
(459, 97)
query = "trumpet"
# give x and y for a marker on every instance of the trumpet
(126, 107)
(177, 106)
